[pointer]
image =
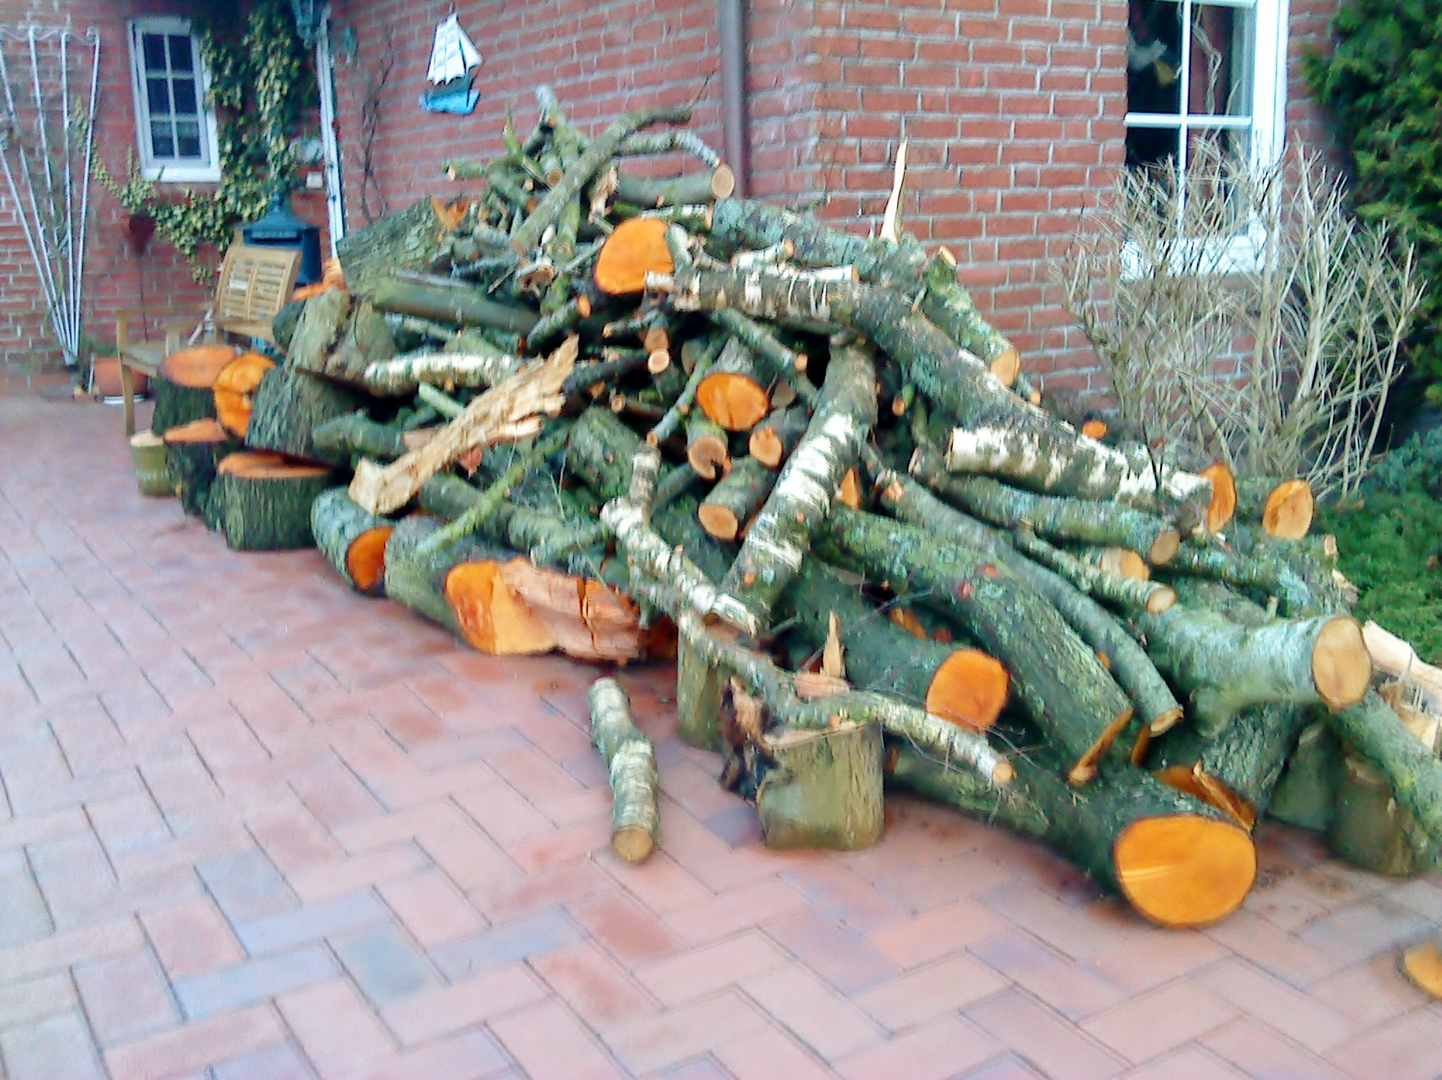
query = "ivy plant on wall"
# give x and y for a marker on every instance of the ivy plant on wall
(1383, 85)
(260, 87)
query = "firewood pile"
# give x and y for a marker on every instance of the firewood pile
(642, 419)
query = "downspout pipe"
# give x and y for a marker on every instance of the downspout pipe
(736, 121)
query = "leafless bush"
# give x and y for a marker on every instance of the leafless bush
(1246, 313)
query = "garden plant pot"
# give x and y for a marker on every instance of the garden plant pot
(105, 380)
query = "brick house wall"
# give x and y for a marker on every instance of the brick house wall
(1013, 108)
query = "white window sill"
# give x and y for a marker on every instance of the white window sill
(182, 174)
(1242, 254)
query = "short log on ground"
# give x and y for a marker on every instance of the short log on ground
(631, 763)
(193, 453)
(821, 789)
(353, 540)
(262, 502)
(183, 387)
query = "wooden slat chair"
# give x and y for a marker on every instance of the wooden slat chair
(255, 283)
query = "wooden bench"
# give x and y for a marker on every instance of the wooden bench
(255, 283)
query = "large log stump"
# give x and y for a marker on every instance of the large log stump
(262, 502)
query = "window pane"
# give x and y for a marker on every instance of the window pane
(180, 53)
(187, 138)
(152, 47)
(1153, 148)
(1154, 50)
(157, 96)
(162, 142)
(185, 103)
(1218, 77)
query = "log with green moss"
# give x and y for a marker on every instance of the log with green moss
(411, 239)
(736, 498)
(263, 504)
(367, 340)
(344, 439)
(631, 763)
(947, 304)
(1178, 861)
(289, 404)
(353, 540)
(176, 405)
(415, 570)
(1373, 730)
(821, 789)
(193, 453)
(320, 325)
(452, 304)
(400, 375)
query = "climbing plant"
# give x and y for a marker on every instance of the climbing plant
(259, 86)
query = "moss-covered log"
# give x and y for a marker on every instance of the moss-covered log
(193, 453)
(176, 405)
(699, 686)
(316, 332)
(733, 393)
(415, 570)
(1413, 772)
(631, 762)
(263, 504)
(289, 405)
(343, 439)
(736, 498)
(412, 239)
(367, 340)
(1270, 578)
(821, 789)
(353, 540)
(453, 304)
(400, 375)
(947, 304)
(1178, 861)
(1375, 832)
(772, 440)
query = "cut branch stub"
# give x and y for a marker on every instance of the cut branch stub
(731, 393)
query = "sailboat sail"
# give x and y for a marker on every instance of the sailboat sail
(452, 53)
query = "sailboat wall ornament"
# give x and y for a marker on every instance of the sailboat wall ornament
(453, 55)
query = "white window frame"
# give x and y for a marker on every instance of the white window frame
(1266, 125)
(203, 170)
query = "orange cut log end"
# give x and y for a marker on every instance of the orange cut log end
(636, 247)
(1422, 964)
(1341, 664)
(491, 616)
(709, 456)
(261, 465)
(1200, 785)
(718, 521)
(848, 492)
(1224, 496)
(734, 401)
(1006, 366)
(197, 368)
(969, 689)
(1186, 870)
(1164, 547)
(1094, 429)
(207, 430)
(1288, 511)
(233, 389)
(365, 559)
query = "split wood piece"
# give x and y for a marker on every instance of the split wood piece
(287, 407)
(736, 498)
(695, 187)
(947, 303)
(193, 453)
(367, 340)
(1267, 576)
(353, 540)
(147, 455)
(1398, 660)
(1285, 509)
(1058, 679)
(963, 686)
(780, 537)
(1179, 862)
(631, 763)
(1238, 770)
(415, 570)
(321, 322)
(999, 433)
(732, 393)
(1371, 830)
(948, 742)
(1058, 518)
(1126, 661)
(579, 172)
(413, 239)
(233, 389)
(454, 305)
(747, 225)
(706, 447)
(821, 789)
(1131, 593)
(341, 440)
(401, 375)
(773, 439)
(1422, 964)
(263, 503)
(1413, 772)
(1225, 667)
(635, 247)
(507, 411)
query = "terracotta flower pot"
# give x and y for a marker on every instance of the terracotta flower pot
(105, 378)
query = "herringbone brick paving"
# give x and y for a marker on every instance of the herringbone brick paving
(256, 827)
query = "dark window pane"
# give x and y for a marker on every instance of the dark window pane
(1151, 148)
(185, 104)
(180, 59)
(187, 138)
(1219, 61)
(157, 96)
(152, 48)
(162, 142)
(1154, 56)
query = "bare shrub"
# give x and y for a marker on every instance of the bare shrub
(1244, 312)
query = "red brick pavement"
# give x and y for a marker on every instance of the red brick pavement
(254, 826)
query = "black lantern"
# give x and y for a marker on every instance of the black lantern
(280, 228)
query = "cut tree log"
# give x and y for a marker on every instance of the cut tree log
(1371, 830)
(401, 375)
(636, 247)
(193, 453)
(413, 239)
(821, 789)
(367, 340)
(147, 455)
(1422, 964)
(1414, 773)
(699, 686)
(947, 304)
(1285, 509)
(287, 407)
(262, 502)
(233, 389)
(321, 323)
(772, 440)
(353, 540)
(183, 386)
(736, 498)
(415, 569)
(688, 188)
(732, 392)
(706, 447)
(631, 763)
(1125, 591)
(779, 538)
(346, 438)
(507, 411)
(1178, 862)
(451, 304)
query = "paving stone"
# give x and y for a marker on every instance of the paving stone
(1159, 1021)
(254, 981)
(126, 997)
(314, 922)
(385, 965)
(550, 1043)
(506, 943)
(246, 885)
(195, 1046)
(57, 1048)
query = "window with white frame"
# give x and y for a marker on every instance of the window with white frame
(175, 130)
(1199, 70)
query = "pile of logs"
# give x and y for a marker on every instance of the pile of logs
(640, 418)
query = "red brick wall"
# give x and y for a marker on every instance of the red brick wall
(1013, 109)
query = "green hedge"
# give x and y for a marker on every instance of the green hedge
(1383, 86)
